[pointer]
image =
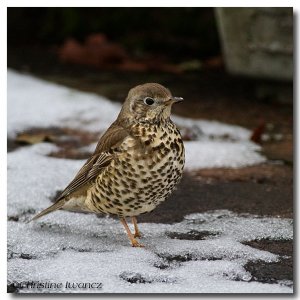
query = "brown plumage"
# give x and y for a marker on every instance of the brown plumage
(137, 162)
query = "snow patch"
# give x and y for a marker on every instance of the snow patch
(33, 102)
(34, 178)
(84, 248)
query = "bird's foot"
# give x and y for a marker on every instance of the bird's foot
(137, 235)
(135, 243)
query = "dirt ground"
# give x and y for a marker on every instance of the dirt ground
(265, 189)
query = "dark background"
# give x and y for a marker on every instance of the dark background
(178, 33)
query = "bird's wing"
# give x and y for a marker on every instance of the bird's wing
(100, 159)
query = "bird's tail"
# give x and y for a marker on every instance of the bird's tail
(59, 204)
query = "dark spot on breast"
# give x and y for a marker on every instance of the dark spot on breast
(161, 169)
(130, 199)
(143, 131)
(124, 183)
(159, 147)
(166, 151)
(165, 165)
(129, 174)
(116, 184)
(152, 165)
(126, 191)
(132, 185)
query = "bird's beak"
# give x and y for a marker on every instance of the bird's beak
(176, 99)
(173, 100)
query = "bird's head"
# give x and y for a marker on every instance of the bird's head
(149, 102)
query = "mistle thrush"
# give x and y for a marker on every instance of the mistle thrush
(136, 165)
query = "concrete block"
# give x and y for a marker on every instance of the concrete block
(257, 42)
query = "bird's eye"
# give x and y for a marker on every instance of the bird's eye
(148, 101)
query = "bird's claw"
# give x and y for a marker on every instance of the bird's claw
(137, 235)
(135, 243)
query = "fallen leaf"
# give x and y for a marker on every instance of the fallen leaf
(33, 138)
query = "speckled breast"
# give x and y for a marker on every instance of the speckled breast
(146, 168)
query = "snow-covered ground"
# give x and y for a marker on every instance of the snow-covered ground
(81, 248)
(84, 249)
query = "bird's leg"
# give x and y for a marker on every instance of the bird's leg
(134, 242)
(137, 233)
